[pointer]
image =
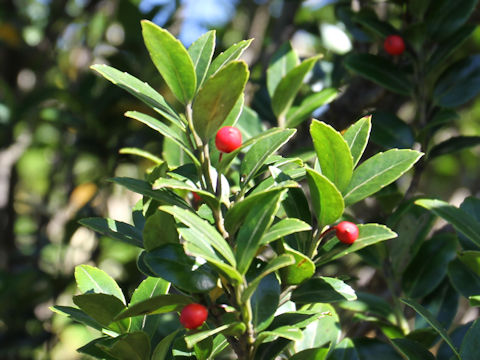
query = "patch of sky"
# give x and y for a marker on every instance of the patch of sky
(198, 16)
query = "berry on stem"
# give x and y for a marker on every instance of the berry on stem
(394, 45)
(196, 197)
(228, 138)
(193, 316)
(347, 232)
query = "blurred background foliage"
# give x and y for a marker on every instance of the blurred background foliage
(61, 129)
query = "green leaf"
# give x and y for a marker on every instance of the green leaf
(471, 259)
(76, 315)
(170, 263)
(155, 305)
(93, 349)
(412, 350)
(228, 158)
(461, 221)
(201, 52)
(115, 229)
(149, 288)
(445, 17)
(454, 144)
(260, 151)
(296, 205)
(282, 62)
(389, 131)
(471, 205)
(249, 237)
(357, 136)
(302, 318)
(224, 58)
(333, 153)
(131, 346)
(287, 332)
(474, 300)
(289, 85)
(469, 349)
(303, 268)
(381, 71)
(141, 90)
(326, 199)
(162, 349)
(283, 228)
(264, 302)
(377, 172)
(323, 331)
(369, 234)
(311, 354)
(172, 61)
(412, 223)
(195, 338)
(164, 130)
(465, 281)
(101, 307)
(144, 188)
(91, 279)
(272, 266)
(213, 102)
(459, 83)
(429, 267)
(208, 236)
(237, 213)
(322, 290)
(449, 45)
(141, 153)
(235, 114)
(297, 114)
(432, 321)
(160, 229)
(345, 350)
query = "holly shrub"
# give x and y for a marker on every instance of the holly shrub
(240, 242)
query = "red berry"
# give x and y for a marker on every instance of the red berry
(347, 232)
(394, 45)
(228, 139)
(193, 316)
(196, 197)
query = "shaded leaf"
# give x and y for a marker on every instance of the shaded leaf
(264, 301)
(303, 268)
(170, 263)
(131, 346)
(155, 305)
(380, 71)
(459, 83)
(465, 281)
(469, 349)
(76, 315)
(461, 221)
(389, 131)
(429, 267)
(160, 229)
(101, 307)
(432, 321)
(454, 144)
(115, 229)
(412, 350)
